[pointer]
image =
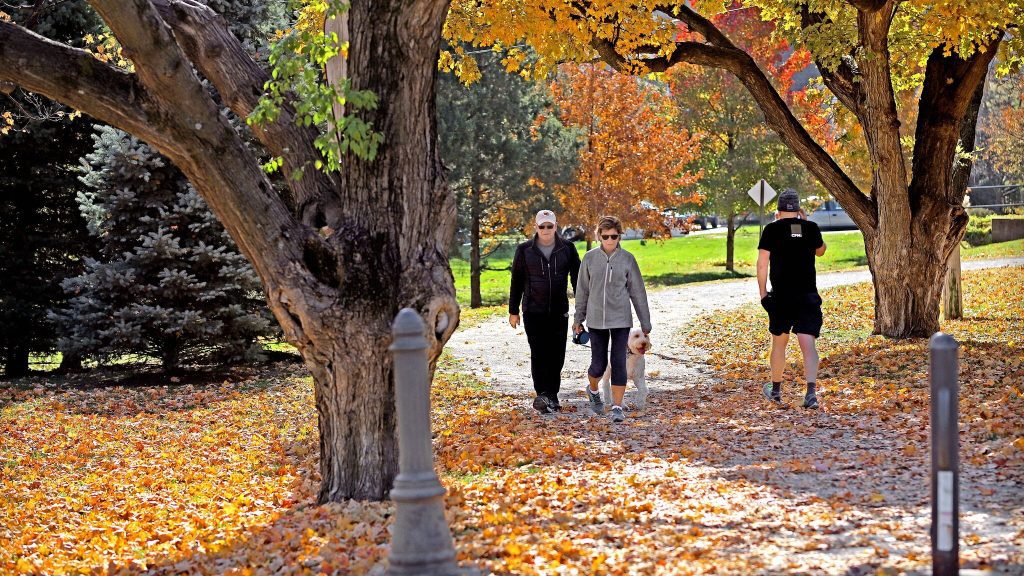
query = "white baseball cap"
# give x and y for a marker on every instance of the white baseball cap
(545, 216)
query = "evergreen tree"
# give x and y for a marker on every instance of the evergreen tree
(43, 238)
(506, 150)
(169, 282)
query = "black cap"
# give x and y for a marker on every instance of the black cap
(789, 201)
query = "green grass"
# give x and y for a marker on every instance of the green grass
(696, 258)
(700, 258)
(1011, 249)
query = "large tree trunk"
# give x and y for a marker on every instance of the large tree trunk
(475, 300)
(906, 298)
(399, 206)
(730, 243)
(909, 266)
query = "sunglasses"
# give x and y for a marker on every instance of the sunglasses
(609, 236)
(546, 226)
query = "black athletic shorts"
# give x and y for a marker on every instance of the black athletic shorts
(800, 313)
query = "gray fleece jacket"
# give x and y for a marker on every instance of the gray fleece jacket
(607, 284)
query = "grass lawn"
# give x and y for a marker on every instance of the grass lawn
(701, 257)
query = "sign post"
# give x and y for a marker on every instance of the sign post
(761, 193)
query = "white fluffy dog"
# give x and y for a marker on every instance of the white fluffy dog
(638, 344)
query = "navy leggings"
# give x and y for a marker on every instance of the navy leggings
(599, 353)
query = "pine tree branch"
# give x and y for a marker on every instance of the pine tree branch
(222, 59)
(74, 77)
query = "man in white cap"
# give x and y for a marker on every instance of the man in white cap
(789, 246)
(541, 271)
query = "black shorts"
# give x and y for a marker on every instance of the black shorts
(800, 313)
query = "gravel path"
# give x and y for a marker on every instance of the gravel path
(498, 355)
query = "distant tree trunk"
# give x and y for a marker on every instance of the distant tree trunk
(170, 356)
(475, 300)
(730, 242)
(70, 362)
(952, 298)
(16, 362)
(952, 291)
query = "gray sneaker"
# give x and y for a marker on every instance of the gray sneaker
(616, 414)
(811, 401)
(596, 404)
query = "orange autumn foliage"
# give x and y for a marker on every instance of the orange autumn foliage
(634, 161)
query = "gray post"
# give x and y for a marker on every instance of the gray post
(944, 373)
(760, 226)
(421, 541)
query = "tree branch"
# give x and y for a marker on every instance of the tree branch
(222, 59)
(880, 118)
(951, 85)
(868, 5)
(722, 53)
(165, 105)
(74, 77)
(841, 80)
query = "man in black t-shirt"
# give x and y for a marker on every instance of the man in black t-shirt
(788, 247)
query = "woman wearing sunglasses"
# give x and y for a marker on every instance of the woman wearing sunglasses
(609, 280)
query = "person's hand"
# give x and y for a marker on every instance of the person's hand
(764, 294)
(577, 328)
(513, 320)
(647, 332)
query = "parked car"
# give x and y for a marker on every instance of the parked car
(705, 221)
(573, 233)
(831, 216)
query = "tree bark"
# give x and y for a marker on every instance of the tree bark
(401, 211)
(392, 218)
(730, 242)
(474, 248)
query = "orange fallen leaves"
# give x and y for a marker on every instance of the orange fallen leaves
(222, 479)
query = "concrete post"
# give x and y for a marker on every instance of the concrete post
(421, 541)
(944, 372)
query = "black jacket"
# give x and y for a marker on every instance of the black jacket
(539, 283)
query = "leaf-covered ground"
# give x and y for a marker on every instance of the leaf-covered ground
(222, 478)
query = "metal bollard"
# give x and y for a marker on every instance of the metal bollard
(944, 372)
(421, 542)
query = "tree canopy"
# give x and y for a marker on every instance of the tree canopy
(871, 55)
